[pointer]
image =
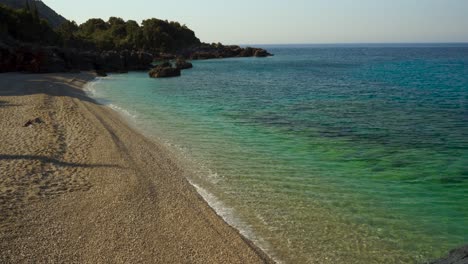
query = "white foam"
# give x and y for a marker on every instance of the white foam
(229, 216)
(123, 111)
(90, 87)
(91, 91)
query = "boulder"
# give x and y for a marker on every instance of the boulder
(164, 64)
(182, 64)
(456, 256)
(164, 70)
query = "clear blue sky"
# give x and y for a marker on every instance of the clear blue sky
(292, 21)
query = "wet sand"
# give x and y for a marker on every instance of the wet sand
(78, 185)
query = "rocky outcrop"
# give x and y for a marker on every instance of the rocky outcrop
(457, 256)
(138, 60)
(165, 56)
(261, 53)
(28, 58)
(164, 70)
(111, 61)
(15, 56)
(216, 51)
(182, 64)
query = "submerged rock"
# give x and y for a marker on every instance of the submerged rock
(456, 256)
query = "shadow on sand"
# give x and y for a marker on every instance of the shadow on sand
(55, 161)
(69, 85)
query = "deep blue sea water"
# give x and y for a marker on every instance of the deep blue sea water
(321, 154)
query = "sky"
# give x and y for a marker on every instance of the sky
(291, 21)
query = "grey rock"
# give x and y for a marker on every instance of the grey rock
(164, 70)
(182, 64)
(456, 256)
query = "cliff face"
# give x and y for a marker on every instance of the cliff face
(44, 11)
(37, 59)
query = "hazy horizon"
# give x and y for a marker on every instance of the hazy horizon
(295, 21)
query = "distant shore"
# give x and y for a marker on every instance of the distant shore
(79, 185)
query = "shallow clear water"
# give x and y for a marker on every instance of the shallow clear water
(327, 154)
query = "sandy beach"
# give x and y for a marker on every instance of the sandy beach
(78, 185)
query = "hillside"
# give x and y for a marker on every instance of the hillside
(45, 12)
(29, 44)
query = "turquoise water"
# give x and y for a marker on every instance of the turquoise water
(325, 154)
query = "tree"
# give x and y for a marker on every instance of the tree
(154, 35)
(21, 24)
(67, 32)
(93, 25)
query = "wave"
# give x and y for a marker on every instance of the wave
(123, 111)
(90, 87)
(229, 216)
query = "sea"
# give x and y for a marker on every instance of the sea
(321, 153)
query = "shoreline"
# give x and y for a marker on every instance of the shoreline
(82, 185)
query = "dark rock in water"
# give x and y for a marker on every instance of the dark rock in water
(247, 52)
(261, 53)
(254, 52)
(214, 51)
(457, 256)
(200, 55)
(164, 70)
(164, 64)
(182, 64)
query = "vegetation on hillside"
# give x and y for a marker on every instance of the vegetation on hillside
(26, 26)
(153, 35)
(43, 10)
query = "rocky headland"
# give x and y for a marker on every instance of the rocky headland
(29, 58)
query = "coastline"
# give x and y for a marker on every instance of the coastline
(83, 186)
